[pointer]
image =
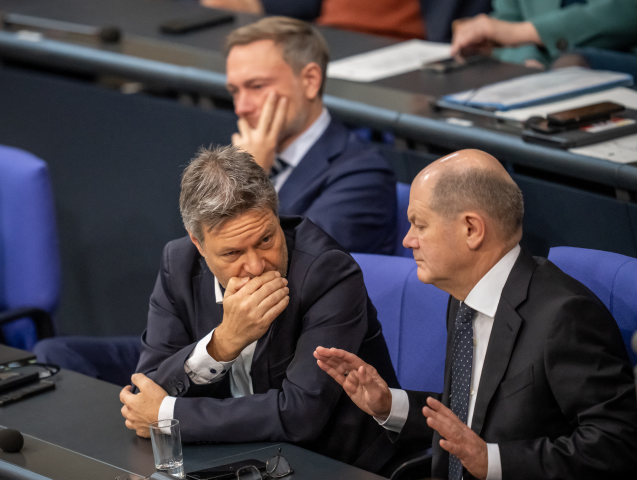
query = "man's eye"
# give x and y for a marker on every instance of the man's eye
(266, 239)
(229, 254)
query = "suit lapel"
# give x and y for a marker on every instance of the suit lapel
(505, 330)
(208, 313)
(313, 164)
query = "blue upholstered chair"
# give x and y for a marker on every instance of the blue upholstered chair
(612, 277)
(413, 316)
(402, 193)
(29, 256)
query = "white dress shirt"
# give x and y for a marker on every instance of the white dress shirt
(484, 298)
(299, 147)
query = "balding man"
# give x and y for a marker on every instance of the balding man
(537, 380)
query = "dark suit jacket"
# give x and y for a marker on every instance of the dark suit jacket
(347, 189)
(557, 392)
(294, 400)
(437, 14)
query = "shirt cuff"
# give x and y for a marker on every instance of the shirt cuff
(494, 468)
(202, 368)
(167, 408)
(398, 413)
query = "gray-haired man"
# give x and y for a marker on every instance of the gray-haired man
(238, 366)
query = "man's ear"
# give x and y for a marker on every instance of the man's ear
(474, 229)
(196, 242)
(312, 78)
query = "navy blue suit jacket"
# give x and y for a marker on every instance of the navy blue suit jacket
(347, 188)
(437, 14)
(294, 400)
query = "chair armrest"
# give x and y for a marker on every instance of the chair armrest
(414, 462)
(41, 318)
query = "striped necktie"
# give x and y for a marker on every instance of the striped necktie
(461, 376)
(278, 167)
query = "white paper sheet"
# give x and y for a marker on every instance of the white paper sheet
(623, 96)
(620, 150)
(389, 61)
(539, 88)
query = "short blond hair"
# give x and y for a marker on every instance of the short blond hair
(300, 42)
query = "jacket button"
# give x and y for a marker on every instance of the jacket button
(180, 386)
(562, 44)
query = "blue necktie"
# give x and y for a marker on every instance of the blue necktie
(278, 167)
(461, 375)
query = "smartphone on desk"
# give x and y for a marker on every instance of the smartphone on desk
(455, 63)
(224, 472)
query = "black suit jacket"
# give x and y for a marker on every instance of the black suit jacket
(345, 187)
(557, 392)
(293, 401)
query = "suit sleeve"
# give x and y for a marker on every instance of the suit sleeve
(302, 9)
(609, 23)
(358, 206)
(589, 374)
(167, 343)
(335, 316)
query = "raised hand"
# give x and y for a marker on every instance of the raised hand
(249, 307)
(459, 439)
(360, 381)
(261, 141)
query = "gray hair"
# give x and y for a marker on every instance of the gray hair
(301, 43)
(483, 189)
(220, 184)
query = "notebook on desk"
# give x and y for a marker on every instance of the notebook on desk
(538, 88)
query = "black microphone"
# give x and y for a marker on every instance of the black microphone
(104, 34)
(11, 440)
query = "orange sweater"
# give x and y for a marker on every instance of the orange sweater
(393, 18)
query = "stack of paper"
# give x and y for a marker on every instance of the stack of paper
(389, 61)
(540, 88)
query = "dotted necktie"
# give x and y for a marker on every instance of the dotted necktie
(278, 167)
(461, 375)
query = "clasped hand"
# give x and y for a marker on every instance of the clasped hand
(141, 409)
(261, 142)
(249, 307)
(370, 393)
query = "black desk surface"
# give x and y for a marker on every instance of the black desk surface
(77, 429)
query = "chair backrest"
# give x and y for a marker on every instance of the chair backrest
(29, 255)
(413, 316)
(402, 227)
(610, 276)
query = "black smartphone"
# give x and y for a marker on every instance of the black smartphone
(10, 379)
(199, 22)
(25, 391)
(224, 472)
(587, 114)
(450, 64)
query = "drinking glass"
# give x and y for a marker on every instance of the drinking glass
(166, 440)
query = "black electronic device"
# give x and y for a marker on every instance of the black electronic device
(17, 21)
(541, 131)
(11, 379)
(199, 22)
(588, 114)
(450, 64)
(11, 440)
(25, 391)
(224, 472)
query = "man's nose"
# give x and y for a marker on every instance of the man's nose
(410, 240)
(254, 264)
(243, 104)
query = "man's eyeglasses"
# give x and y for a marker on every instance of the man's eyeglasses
(275, 467)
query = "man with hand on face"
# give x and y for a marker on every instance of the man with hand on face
(276, 74)
(239, 306)
(538, 384)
